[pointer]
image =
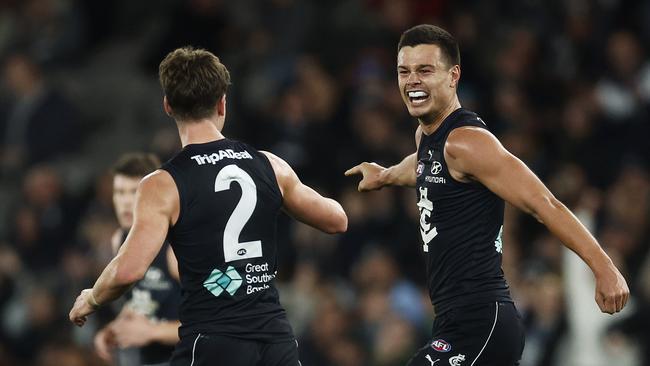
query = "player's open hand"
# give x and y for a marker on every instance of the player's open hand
(132, 329)
(372, 177)
(612, 292)
(82, 308)
(105, 343)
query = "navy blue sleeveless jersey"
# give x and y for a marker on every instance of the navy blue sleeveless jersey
(461, 225)
(225, 242)
(158, 297)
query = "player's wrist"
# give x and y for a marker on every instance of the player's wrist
(600, 263)
(91, 300)
(388, 177)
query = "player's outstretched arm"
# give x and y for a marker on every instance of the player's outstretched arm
(305, 204)
(475, 154)
(156, 204)
(375, 176)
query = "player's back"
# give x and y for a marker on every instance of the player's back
(225, 241)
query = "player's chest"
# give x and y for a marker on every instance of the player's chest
(431, 170)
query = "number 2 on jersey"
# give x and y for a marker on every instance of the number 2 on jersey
(232, 248)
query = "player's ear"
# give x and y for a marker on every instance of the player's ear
(221, 106)
(455, 76)
(167, 107)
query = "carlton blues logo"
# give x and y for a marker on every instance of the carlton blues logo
(420, 169)
(441, 345)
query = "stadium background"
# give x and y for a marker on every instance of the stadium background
(564, 84)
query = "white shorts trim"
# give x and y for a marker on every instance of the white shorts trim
(496, 316)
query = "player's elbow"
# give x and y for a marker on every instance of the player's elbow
(338, 224)
(544, 205)
(127, 275)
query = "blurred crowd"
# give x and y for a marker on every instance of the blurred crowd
(565, 85)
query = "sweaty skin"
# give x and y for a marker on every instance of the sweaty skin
(474, 154)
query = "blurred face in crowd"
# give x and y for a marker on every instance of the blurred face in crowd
(21, 75)
(124, 189)
(426, 80)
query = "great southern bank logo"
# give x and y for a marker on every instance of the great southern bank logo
(218, 282)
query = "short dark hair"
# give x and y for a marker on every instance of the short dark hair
(431, 34)
(193, 80)
(136, 165)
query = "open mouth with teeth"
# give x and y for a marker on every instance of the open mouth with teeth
(417, 96)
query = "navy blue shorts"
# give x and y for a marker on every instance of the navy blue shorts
(212, 349)
(475, 335)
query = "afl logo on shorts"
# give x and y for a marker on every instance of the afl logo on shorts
(441, 345)
(241, 251)
(436, 167)
(420, 169)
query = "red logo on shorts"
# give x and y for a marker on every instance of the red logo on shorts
(441, 345)
(420, 169)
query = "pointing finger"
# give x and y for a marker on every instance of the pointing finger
(354, 170)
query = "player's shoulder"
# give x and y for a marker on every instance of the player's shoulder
(158, 177)
(277, 163)
(159, 182)
(464, 116)
(469, 141)
(284, 173)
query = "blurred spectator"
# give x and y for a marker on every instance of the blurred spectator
(44, 219)
(546, 323)
(564, 85)
(626, 85)
(51, 30)
(41, 124)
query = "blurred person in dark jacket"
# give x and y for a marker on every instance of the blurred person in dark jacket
(44, 218)
(40, 124)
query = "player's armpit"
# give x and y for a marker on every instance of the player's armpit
(304, 203)
(172, 264)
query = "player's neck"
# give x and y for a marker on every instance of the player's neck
(429, 127)
(198, 132)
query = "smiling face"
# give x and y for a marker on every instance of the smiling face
(427, 80)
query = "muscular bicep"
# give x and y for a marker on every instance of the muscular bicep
(478, 155)
(152, 215)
